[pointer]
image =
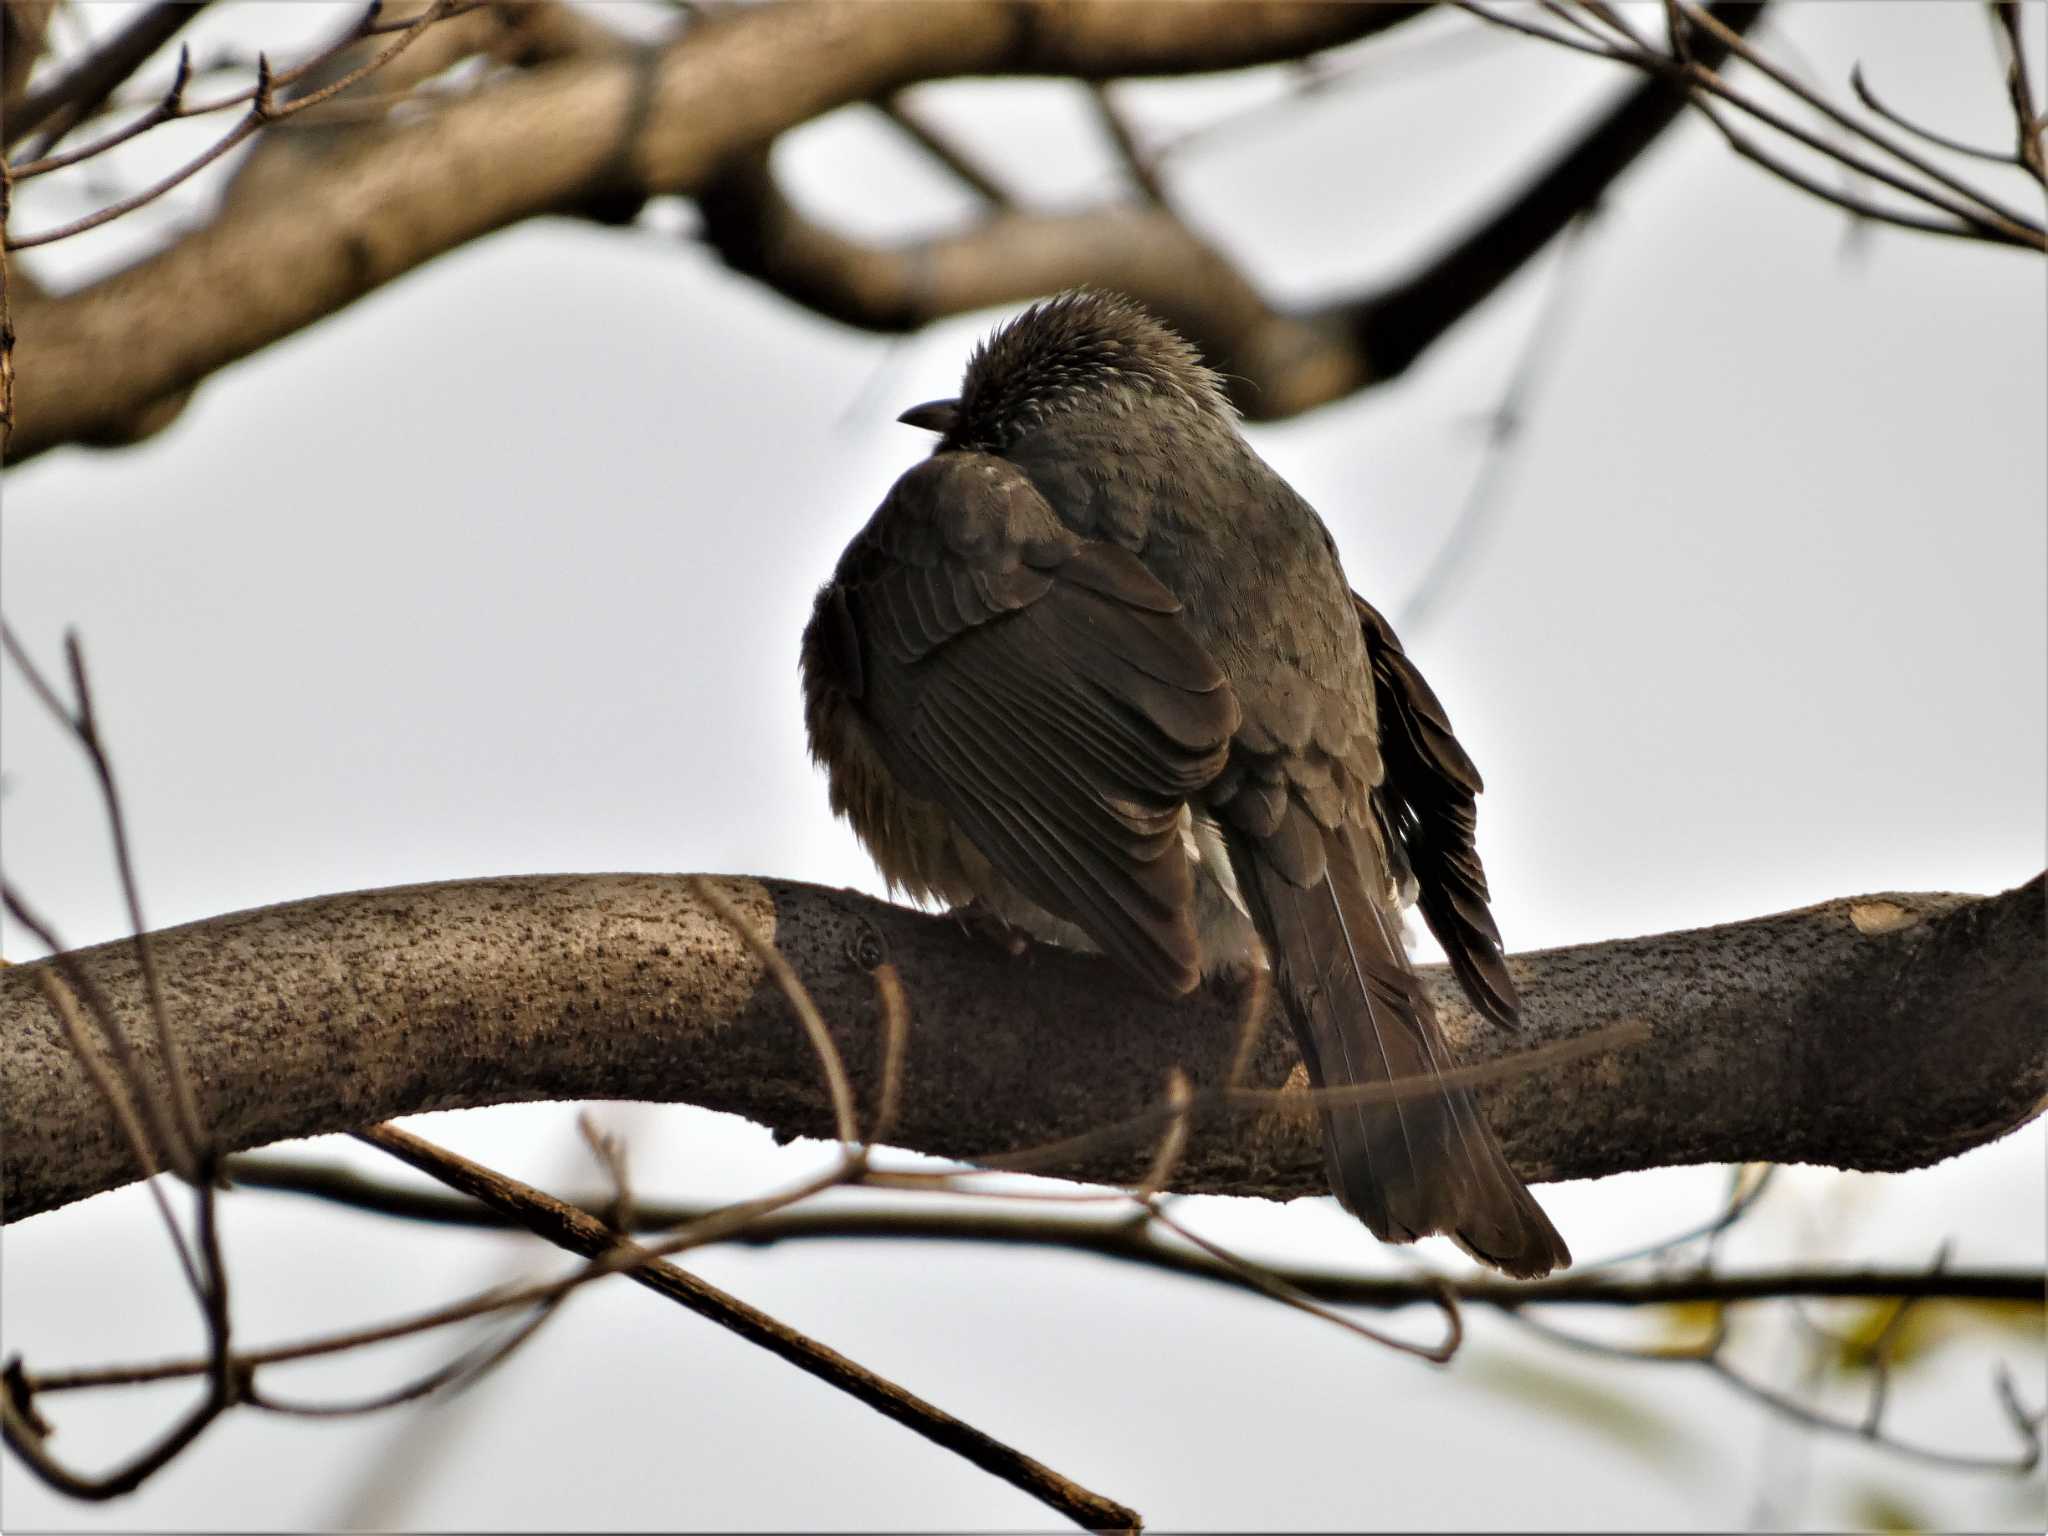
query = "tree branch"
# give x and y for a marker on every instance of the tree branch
(24, 24)
(1120, 1237)
(82, 88)
(92, 362)
(1879, 1032)
(580, 1232)
(1277, 363)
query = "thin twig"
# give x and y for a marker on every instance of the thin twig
(6, 312)
(1749, 150)
(1140, 167)
(1118, 1240)
(1869, 99)
(570, 1228)
(1069, 1150)
(1988, 219)
(26, 1439)
(1598, 49)
(1403, 63)
(1262, 1279)
(1257, 982)
(895, 1014)
(1616, 22)
(1735, 44)
(468, 1309)
(610, 1152)
(181, 1133)
(897, 108)
(264, 109)
(86, 728)
(1710, 1355)
(1742, 1199)
(167, 108)
(184, 1150)
(1505, 431)
(171, 1150)
(2027, 121)
(457, 1375)
(1180, 1099)
(122, 1108)
(77, 94)
(799, 998)
(1571, 18)
(1994, 224)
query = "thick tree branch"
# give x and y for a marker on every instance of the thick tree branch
(1277, 363)
(1879, 1032)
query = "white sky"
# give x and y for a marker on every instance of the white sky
(502, 571)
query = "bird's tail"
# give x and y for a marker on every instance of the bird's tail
(1420, 1164)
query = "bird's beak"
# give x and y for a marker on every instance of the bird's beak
(940, 416)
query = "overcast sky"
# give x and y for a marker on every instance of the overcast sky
(502, 571)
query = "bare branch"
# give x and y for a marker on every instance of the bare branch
(187, 1152)
(1126, 1240)
(78, 92)
(2012, 223)
(1746, 1185)
(1711, 1355)
(2028, 122)
(895, 1041)
(95, 361)
(167, 1104)
(114, 1094)
(1258, 1278)
(800, 1004)
(463, 1371)
(264, 109)
(941, 148)
(1699, 38)
(1141, 167)
(26, 1437)
(1463, 540)
(1869, 99)
(577, 1231)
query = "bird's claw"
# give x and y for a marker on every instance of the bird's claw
(983, 922)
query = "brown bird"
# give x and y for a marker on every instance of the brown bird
(1096, 666)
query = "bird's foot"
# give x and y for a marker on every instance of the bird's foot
(1232, 981)
(983, 922)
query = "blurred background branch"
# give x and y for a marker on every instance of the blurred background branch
(576, 120)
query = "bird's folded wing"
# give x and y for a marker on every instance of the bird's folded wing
(1046, 692)
(1426, 806)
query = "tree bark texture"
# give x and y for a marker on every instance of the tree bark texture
(1877, 1032)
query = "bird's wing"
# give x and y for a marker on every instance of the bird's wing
(1425, 805)
(1045, 691)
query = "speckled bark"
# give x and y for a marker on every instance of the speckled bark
(1879, 1032)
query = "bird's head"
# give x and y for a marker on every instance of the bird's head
(1084, 350)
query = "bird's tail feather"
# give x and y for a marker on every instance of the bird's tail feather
(1420, 1164)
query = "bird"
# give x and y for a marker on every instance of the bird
(1094, 670)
